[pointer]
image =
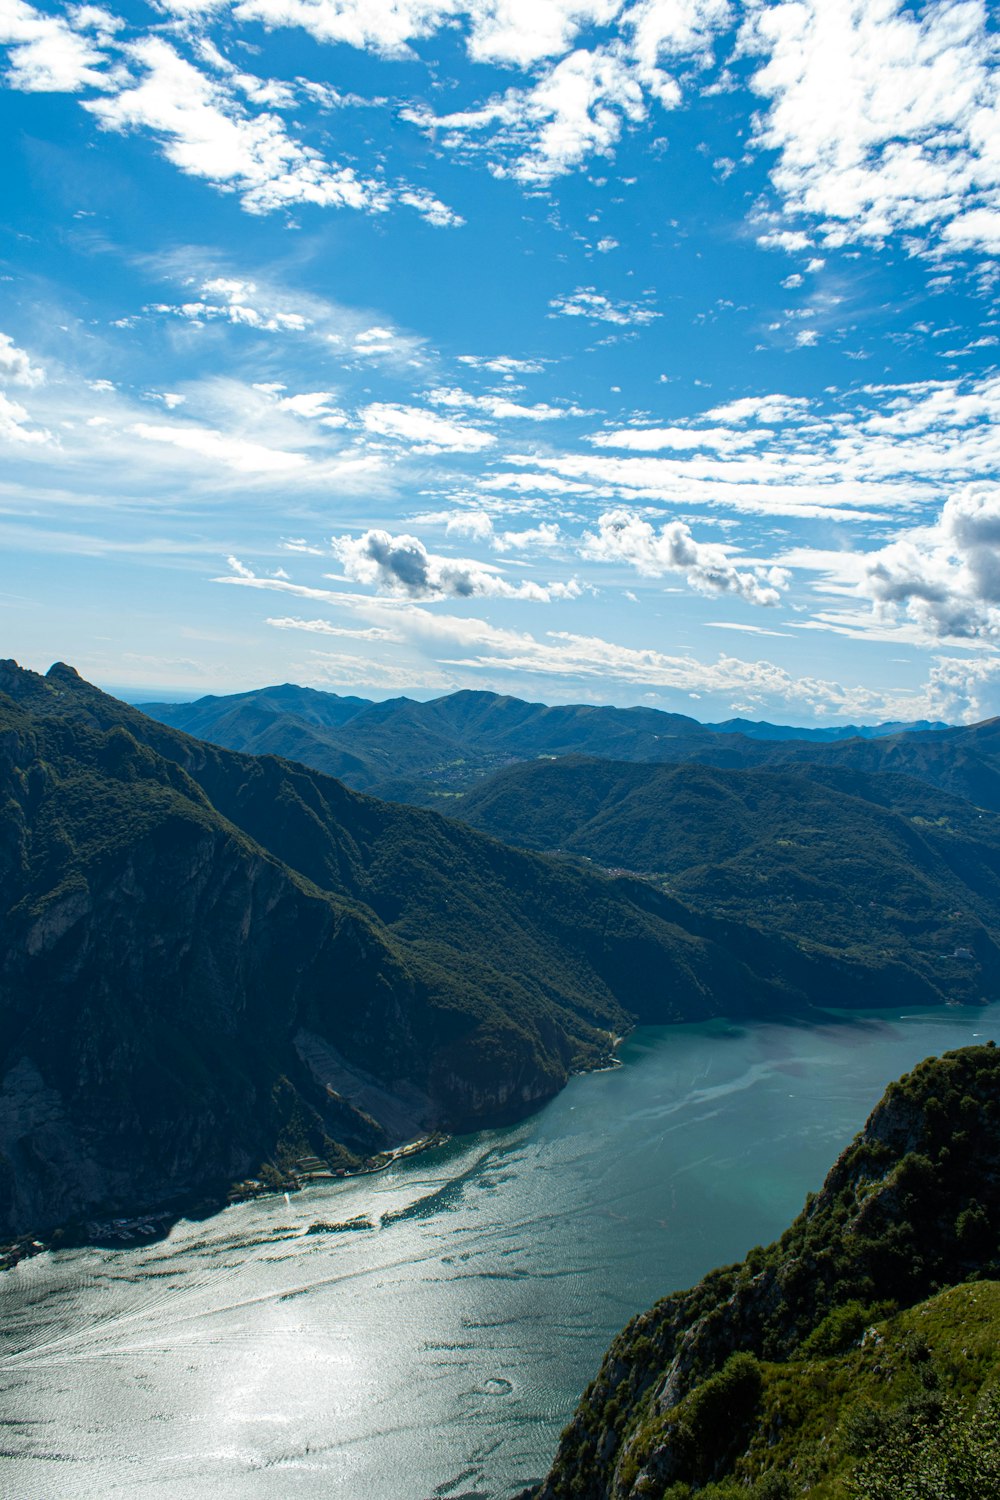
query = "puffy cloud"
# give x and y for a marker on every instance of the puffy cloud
(47, 55)
(401, 565)
(671, 29)
(503, 364)
(15, 365)
(430, 208)
(587, 302)
(511, 32)
(264, 306)
(313, 406)
(945, 577)
(883, 119)
(221, 128)
(521, 32)
(623, 536)
(761, 409)
(476, 523)
(236, 300)
(425, 429)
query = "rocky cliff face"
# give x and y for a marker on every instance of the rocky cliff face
(911, 1206)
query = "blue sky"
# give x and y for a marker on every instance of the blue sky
(633, 351)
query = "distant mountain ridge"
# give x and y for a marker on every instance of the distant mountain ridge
(413, 751)
(213, 962)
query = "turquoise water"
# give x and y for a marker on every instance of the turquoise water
(440, 1352)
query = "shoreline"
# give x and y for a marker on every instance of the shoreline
(127, 1231)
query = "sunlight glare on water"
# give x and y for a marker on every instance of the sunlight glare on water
(441, 1351)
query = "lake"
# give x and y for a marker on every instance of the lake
(441, 1351)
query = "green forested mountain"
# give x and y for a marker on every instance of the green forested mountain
(843, 861)
(422, 752)
(212, 960)
(858, 1358)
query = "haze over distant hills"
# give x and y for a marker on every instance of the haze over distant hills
(420, 751)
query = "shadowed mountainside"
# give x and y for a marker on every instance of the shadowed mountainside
(213, 961)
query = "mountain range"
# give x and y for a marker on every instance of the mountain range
(217, 965)
(423, 752)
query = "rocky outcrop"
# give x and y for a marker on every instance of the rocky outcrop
(911, 1206)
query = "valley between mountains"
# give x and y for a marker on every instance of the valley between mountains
(225, 971)
(219, 966)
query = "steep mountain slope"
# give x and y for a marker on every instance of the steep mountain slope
(422, 752)
(762, 1382)
(210, 959)
(839, 859)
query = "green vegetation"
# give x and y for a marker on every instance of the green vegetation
(422, 752)
(880, 873)
(204, 949)
(858, 1358)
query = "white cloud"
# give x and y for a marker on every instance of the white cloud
(47, 55)
(425, 429)
(234, 299)
(945, 577)
(221, 128)
(207, 133)
(232, 451)
(572, 657)
(623, 536)
(887, 447)
(312, 406)
(761, 409)
(650, 439)
(884, 119)
(587, 302)
(521, 32)
(430, 208)
(402, 566)
(503, 364)
(510, 32)
(577, 109)
(671, 29)
(478, 524)
(13, 417)
(15, 365)
(501, 407)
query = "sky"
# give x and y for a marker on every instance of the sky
(621, 351)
